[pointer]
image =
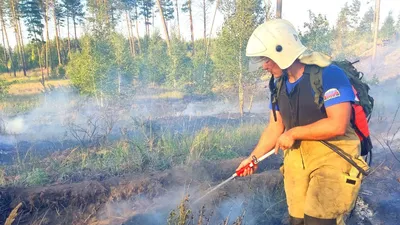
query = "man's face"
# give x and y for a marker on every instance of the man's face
(266, 64)
(272, 67)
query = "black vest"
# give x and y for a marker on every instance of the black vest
(298, 107)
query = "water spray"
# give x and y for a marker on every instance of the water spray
(254, 162)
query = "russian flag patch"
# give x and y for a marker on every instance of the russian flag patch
(331, 93)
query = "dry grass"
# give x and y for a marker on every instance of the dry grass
(35, 87)
(13, 215)
(171, 94)
(20, 75)
(163, 95)
(30, 84)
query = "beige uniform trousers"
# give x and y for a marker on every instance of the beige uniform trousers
(320, 183)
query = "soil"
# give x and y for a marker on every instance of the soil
(85, 202)
(149, 198)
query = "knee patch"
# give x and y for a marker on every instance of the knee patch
(309, 220)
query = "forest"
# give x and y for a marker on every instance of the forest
(115, 112)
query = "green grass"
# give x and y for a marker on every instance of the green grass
(18, 104)
(37, 176)
(138, 154)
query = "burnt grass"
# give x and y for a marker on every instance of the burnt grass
(149, 198)
(145, 195)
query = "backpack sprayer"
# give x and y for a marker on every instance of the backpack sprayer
(254, 162)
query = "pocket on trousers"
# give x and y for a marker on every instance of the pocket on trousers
(350, 189)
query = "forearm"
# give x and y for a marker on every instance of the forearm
(320, 130)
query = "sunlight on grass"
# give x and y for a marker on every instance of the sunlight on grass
(164, 95)
(171, 94)
(36, 87)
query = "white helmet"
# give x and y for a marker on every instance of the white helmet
(276, 39)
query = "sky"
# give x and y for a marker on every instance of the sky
(296, 11)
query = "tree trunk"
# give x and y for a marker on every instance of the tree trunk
(56, 28)
(164, 25)
(376, 29)
(74, 21)
(146, 25)
(47, 59)
(3, 26)
(18, 34)
(267, 9)
(177, 18)
(16, 31)
(212, 25)
(22, 47)
(19, 49)
(41, 68)
(241, 93)
(205, 22)
(240, 81)
(250, 102)
(69, 37)
(5, 48)
(152, 18)
(191, 24)
(137, 30)
(278, 8)
(130, 34)
(59, 31)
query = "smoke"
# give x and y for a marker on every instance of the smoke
(43, 122)
(140, 209)
(217, 209)
(220, 107)
(60, 111)
(254, 201)
(14, 126)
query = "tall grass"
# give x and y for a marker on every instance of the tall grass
(136, 154)
(19, 104)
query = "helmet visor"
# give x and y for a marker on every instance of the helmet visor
(255, 63)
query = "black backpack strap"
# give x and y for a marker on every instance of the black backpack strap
(272, 89)
(275, 89)
(315, 73)
(346, 157)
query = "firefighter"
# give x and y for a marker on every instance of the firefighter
(321, 187)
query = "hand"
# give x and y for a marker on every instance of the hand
(285, 141)
(247, 171)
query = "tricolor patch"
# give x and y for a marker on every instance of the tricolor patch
(331, 93)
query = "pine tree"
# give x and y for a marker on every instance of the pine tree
(168, 9)
(146, 8)
(354, 11)
(388, 28)
(342, 30)
(74, 10)
(8, 52)
(229, 52)
(365, 26)
(187, 8)
(318, 34)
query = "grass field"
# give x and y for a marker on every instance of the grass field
(31, 84)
